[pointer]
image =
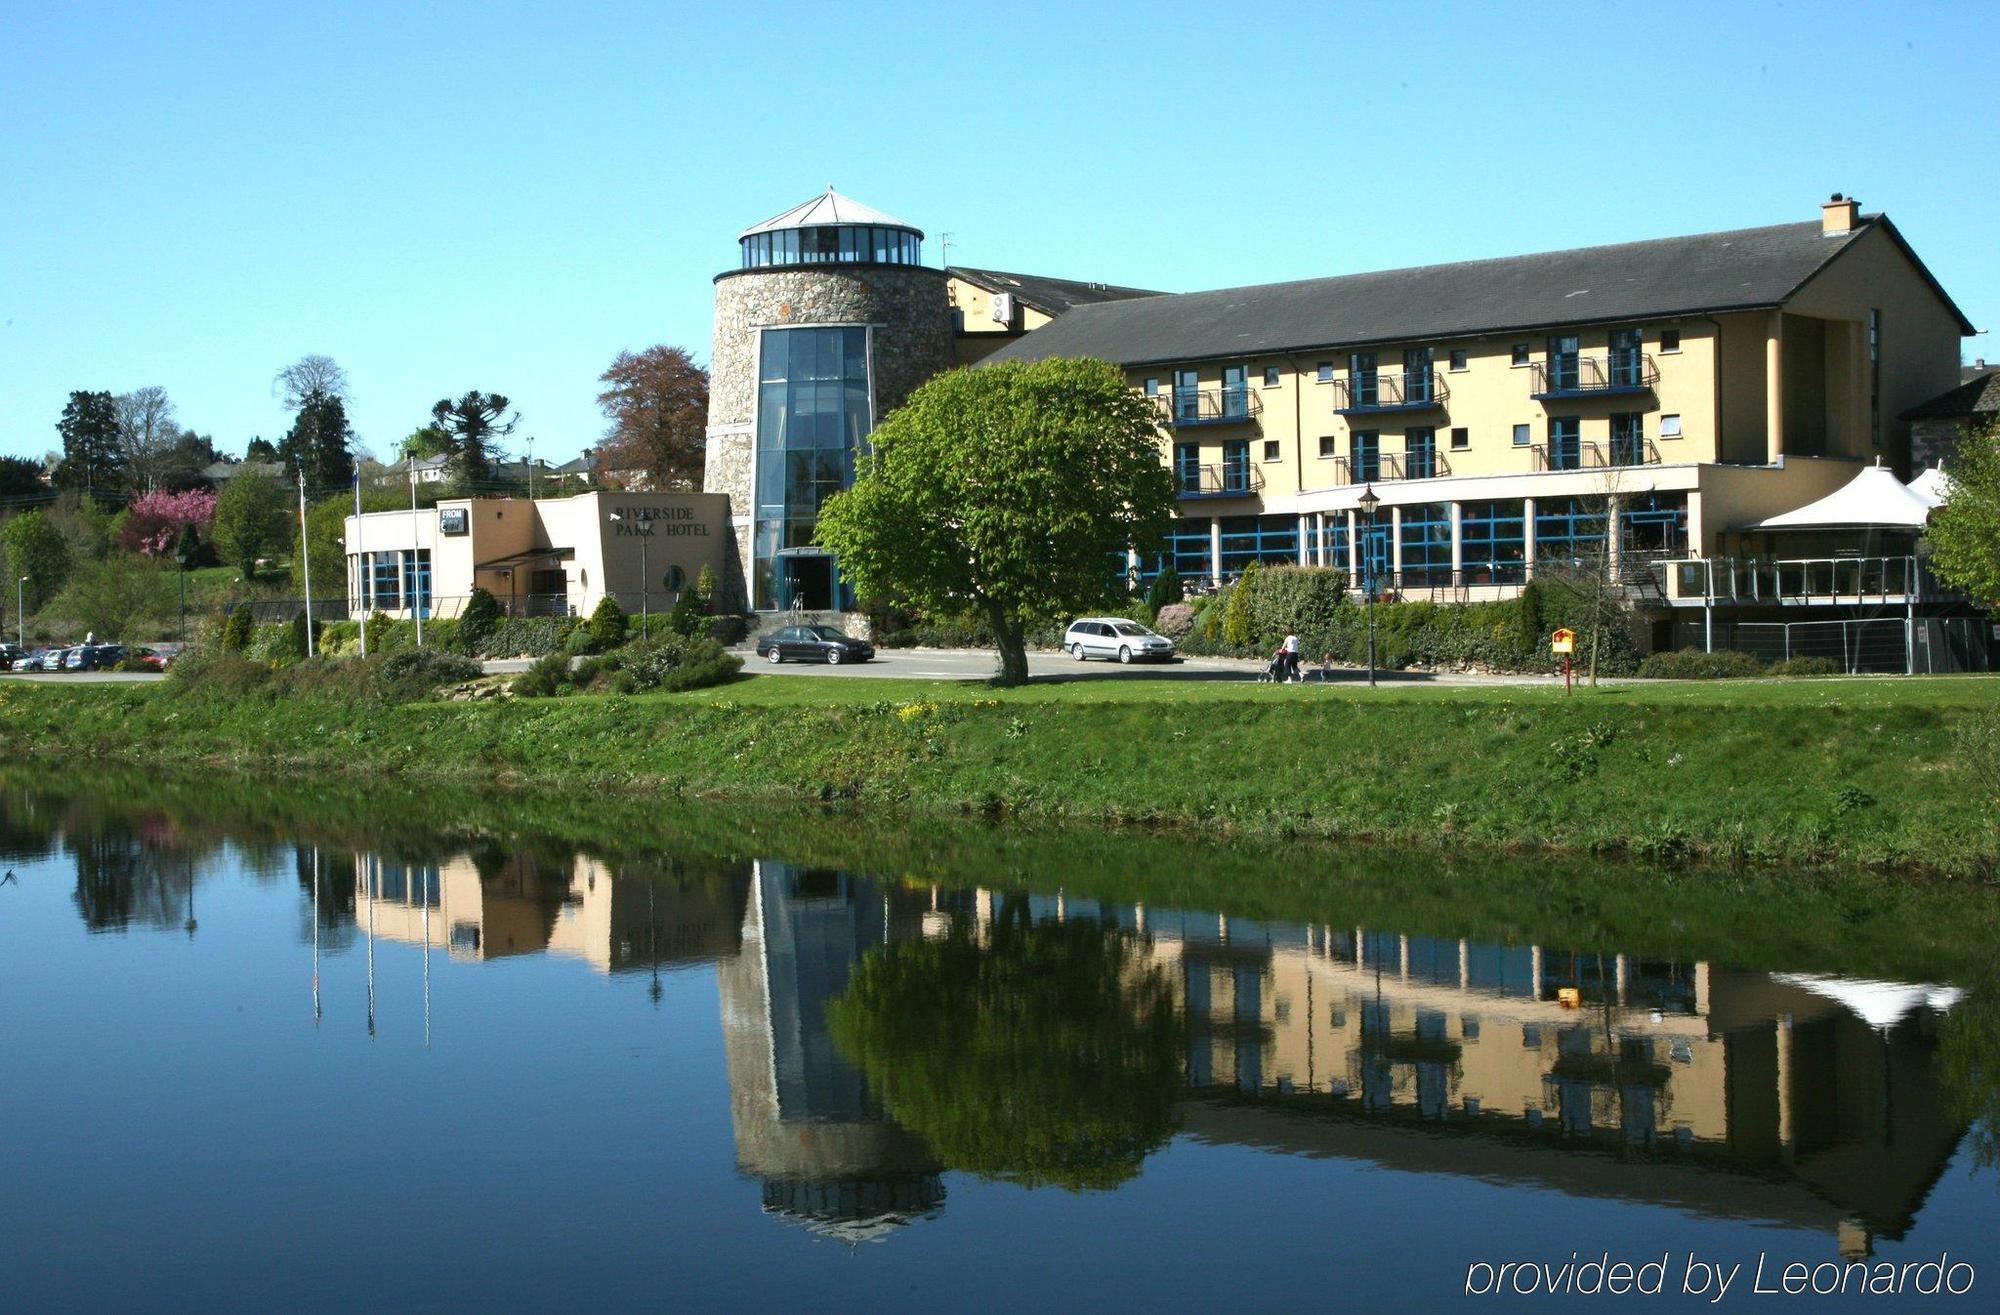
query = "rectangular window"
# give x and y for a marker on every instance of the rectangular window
(1417, 375)
(1153, 386)
(1670, 426)
(1187, 548)
(1565, 443)
(1269, 539)
(1461, 439)
(1329, 446)
(1326, 372)
(1427, 544)
(1875, 377)
(1670, 340)
(1270, 376)
(1628, 438)
(1364, 456)
(1187, 395)
(1520, 353)
(1457, 359)
(1569, 531)
(1235, 391)
(1520, 436)
(1270, 449)
(1627, 361)
(1187, 467)
(1420, 453)
(1493, 542)
(1565, 363)
(1236, 466)
(1361, 379)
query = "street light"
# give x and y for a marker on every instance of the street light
(1369, 502)
(21, 609)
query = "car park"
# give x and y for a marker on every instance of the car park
(93, 657)
(1116, 638)
(813, 644)
(52, 659)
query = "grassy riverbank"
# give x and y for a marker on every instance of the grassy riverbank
(1804, 773)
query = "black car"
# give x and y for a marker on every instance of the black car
(813, 644)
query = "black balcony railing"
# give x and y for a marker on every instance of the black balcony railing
(1390, 465)
(1594, 376)
(1228, 480)
(1594, 455)
(1209, 406)
(1392, 391)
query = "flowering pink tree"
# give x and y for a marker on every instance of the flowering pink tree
(156, 518)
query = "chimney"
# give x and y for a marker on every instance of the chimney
(1838, 215)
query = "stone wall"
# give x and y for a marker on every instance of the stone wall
(1933, 441)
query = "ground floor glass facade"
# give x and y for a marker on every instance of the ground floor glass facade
(813, 414)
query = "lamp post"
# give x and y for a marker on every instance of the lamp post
(181, 565)
(1369, 502)
(21, 608)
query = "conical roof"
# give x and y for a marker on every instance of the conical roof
(1874, 498)
(828, 208)
(1933, 486)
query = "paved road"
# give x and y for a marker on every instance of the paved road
(86, 677)
(974, 664)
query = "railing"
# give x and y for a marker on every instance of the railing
(1390, 465)
(1209, 406)
(1390, 391)
(1594, 455)
(1227, 480)
(1849, 580)
(1584, 376)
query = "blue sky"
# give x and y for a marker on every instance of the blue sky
(502, 197)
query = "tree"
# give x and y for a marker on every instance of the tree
(260, 449)
(1008, 489)
(320, 444)
(238, 629)
(147, 433)
(86, 527)
(35, 548)
(1049, 1054)
(607, 624)
(252, 517)
(113, 598)
(471, 425)
(21, 480)
(91, 458)
(1965, 532)
(657, 402)
(156, 521)
(475, 623)
(309, 377)
(425, 442)
(185, 463)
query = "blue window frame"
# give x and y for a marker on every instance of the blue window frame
(1653, 524)
(1565, 363)
(1364, 456)
(1626, 358)
(1236, 465)
(1273, 540)
(1568, 531)
(1187, 467)
(1493, 542)
(1235, 392)
(1420, 453)
(813, 415)
(1628, 438)
(384, 589)
(417, 580)
(1378, 545)
(1362, 384)
(1187, 395)
(1565, 443)
(1188, 545)
(1427, 544)
(1417, 374)
(1336, 540)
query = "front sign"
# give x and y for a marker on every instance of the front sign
(453, 520)
(658, 522)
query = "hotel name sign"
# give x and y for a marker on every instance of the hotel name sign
(664, 522)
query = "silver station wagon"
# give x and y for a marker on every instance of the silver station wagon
(1117, 638)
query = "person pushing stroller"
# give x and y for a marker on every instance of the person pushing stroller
(1285, 663)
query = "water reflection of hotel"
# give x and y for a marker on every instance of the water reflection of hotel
(1804, 1101)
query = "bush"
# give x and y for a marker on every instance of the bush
(687, 619)
(1166, 591)
(582, 641)
(219, 670)
(379, 625)
(427, 667)
(607, 624)
(549, 676)
(1238, 626)
(1693, 664)
(525, 636)
(1805, 666)
(1174, 620)
(675, 664)
(476, 622)
(238, 630)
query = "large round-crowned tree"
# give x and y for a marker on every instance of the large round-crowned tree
(1013, 489)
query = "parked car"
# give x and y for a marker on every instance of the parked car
(152, 659)
(27, 662)
(93, 657)
(10, 654)
(52, 659)
(1116, 638)
(813, 644)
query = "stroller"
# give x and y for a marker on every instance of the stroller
(1278, 670)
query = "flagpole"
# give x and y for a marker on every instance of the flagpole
(305, 555)
(360, 563)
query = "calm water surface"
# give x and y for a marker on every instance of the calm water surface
(247, 1069)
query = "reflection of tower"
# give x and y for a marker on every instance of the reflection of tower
(829, 322)
(804, 1120)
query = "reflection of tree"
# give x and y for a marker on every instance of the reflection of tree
(1969, 1068)
(120, 881)
(1049, 1054)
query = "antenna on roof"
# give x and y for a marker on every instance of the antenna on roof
(944, 249)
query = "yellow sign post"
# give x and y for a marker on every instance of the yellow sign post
(1563, 642)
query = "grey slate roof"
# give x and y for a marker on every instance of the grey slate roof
(1050, 296)
(1980, 396)
(1704, 273)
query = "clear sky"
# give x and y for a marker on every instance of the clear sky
(502, 197)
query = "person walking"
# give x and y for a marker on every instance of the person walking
(1290, 650)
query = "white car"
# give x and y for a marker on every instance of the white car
(1115, 637)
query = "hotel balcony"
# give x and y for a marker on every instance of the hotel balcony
(1388, 392)
(1185, 407)
(1619, 374)
(1390, 465)
(1614, 455)
(1229, 480)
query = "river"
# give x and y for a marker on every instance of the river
(408, 1053)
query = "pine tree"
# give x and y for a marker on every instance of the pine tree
(89, 429)
(320, 444)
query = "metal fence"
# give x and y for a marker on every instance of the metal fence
(1884, 645)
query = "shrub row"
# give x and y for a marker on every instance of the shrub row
(668, 662)
(401, 677)
(1727, 664)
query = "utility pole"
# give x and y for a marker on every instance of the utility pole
(305, 555)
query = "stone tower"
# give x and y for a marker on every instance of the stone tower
(828, 323)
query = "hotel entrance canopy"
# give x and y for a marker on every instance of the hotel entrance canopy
(1874, 499)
